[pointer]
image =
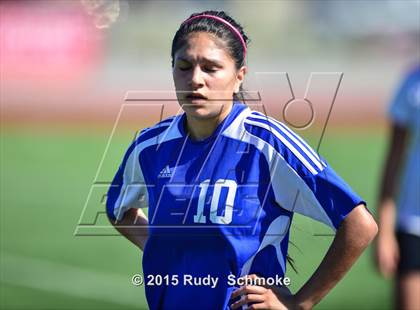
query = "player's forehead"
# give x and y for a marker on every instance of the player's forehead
(203, 47)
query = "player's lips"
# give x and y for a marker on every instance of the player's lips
(196, 96)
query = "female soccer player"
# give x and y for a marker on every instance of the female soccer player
(222, 183)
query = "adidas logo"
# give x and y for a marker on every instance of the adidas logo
(165, 173)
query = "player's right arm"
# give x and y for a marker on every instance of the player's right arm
(133, 226)
(126, 197)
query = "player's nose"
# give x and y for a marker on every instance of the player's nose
(197, 79)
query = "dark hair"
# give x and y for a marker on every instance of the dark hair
(220, 30)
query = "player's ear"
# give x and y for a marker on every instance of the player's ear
(240, 76)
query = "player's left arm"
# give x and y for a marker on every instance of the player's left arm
(354, 234)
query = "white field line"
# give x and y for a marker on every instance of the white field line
(69, 280)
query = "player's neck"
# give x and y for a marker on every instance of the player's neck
(200, 129)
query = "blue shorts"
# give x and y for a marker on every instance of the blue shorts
(409, 252)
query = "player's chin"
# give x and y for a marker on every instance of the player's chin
(201, 111)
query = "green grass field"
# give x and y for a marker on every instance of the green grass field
(46, 176)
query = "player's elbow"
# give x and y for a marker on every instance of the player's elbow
(370, 229)
(361, 226)
(367, 227)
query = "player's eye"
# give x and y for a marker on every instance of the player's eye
(210, 69)
(184, 67)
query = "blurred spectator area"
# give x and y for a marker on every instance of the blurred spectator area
(74, 61)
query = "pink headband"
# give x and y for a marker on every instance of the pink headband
(224, 22)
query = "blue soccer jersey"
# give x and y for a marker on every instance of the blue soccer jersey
(221, 208)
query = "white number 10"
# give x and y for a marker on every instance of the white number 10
(214, 218)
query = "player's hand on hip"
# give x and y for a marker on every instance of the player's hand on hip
(263, 297)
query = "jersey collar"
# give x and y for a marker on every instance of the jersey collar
(237, 108)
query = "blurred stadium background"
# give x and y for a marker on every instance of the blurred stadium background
(66, 67)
